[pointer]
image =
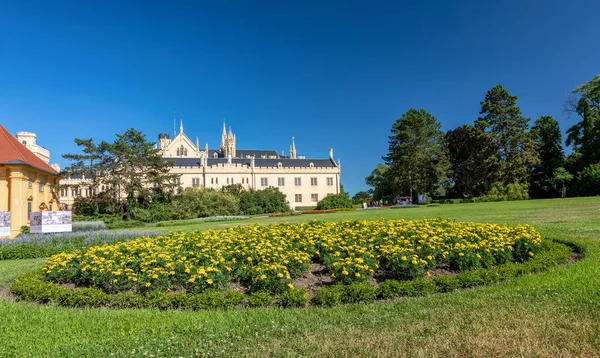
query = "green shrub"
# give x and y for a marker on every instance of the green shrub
(359, 292)
(470, 278)
(337, 201)
(589, 180)
(420, 287)
(445, 283)
(269, 200)
(201, 202)
(329, 296)
(24, 230)
(296, 297)
(260, 299)
(392, 288)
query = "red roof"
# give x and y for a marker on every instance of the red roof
(13, 152)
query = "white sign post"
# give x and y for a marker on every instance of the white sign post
(4, 223)
(50, 221)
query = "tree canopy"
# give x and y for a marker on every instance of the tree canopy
(417, 157)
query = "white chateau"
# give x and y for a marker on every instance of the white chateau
(303, 181)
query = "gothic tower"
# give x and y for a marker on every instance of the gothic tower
(227, 143)
(293, 149)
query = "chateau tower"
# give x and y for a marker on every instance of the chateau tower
(228, 143)
(28, 140)
(293, 150)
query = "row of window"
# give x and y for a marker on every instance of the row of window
(196, 182)
(297, 181)
(263, 181)
(313, 198)
(77, 192)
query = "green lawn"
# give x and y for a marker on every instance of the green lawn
(556, 313)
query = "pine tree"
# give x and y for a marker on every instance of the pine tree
(548, 138)
(501, 118)
(474, 166)
(417, 155)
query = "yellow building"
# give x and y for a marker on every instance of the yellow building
(27, 183)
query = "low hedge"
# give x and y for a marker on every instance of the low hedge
(31, 287)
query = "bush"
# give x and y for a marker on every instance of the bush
(420, 287)
(392, 288)
(329, 296)
(359, 292)
(446, 283)
(269, 200)
(295, 298)
(152, 213)
(589, 180)
(260, 299)
(501, 192)
(338, 201)
(200, 202)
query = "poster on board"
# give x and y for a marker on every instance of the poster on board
(4, 223)
(422, 199)
(50, 221)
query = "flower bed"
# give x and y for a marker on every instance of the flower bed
(268, 258)
(32, 287)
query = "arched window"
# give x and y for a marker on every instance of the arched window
(24, 142)
(215, 155)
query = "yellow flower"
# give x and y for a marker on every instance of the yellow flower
(148, 284)
(209, 281)
(290, 286)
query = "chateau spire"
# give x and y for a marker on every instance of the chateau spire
(197, 144)
(293, 149)
(174, 120)
(181, 124)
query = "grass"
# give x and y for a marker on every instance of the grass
(556, 313)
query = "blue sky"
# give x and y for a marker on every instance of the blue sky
(330, 73)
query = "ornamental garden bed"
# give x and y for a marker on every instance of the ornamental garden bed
(315, 262)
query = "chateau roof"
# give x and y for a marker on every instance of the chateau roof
(257, 153)
(243, 153)
(258, 162)
(13, 152)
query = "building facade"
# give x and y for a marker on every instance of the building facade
(27, 182)
(304, 181)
